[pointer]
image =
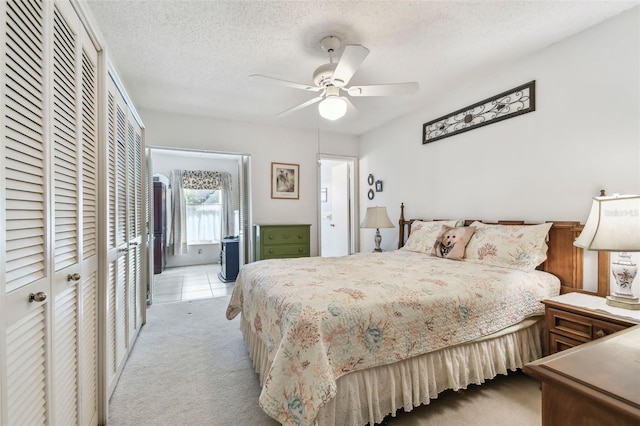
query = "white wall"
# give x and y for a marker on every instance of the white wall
(545, 165)
(265, 144)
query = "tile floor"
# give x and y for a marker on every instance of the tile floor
(188, 283)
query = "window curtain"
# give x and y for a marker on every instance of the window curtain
(197, 179)
(178, 238)
(227, 205)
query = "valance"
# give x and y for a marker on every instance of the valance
(201, 179)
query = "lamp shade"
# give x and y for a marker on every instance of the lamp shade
(613, 224)
(332, 108)
(376, 217)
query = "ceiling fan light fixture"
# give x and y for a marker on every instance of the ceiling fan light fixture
(332, 108)
(333, 78)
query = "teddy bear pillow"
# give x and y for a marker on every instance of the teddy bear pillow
(451, 242)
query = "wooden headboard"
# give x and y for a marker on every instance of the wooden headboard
(564, 260)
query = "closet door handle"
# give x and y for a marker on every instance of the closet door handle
(73, 277)
(40, 296)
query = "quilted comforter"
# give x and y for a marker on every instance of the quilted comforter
(321, 318)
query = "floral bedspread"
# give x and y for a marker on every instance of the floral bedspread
(321, 318)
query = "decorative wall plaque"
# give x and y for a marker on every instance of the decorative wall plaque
(517, 101)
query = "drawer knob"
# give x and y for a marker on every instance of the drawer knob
(270, 251)
(270, 237)
(300, 249)
(299, 235)
(600, 333)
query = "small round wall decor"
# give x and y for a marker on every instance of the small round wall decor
(370, 180)
(370, 194)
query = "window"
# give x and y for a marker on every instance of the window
(203, 215)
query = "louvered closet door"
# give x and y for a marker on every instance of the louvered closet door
(125, 215)
(74, 302)
(116, 337)
(50, 166)
(88, 294)
(25, 269)
(135, 217)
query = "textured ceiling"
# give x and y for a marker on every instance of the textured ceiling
(195, 57)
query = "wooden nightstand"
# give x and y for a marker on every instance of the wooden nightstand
(592, 384)
(575, 318)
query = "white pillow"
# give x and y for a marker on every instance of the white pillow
(423, 234)
(522, 247)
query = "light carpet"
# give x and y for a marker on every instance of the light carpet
(190, 366)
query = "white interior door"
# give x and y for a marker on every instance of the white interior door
(337, 210)
(339, 232)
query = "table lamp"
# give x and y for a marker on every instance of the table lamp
(614, 225)
(376, 217)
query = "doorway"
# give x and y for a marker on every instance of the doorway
(198, 223)
(337, 205)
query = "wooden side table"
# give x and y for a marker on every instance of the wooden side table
(592, 384)
(572, 319)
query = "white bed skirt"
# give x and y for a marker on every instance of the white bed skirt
(368, 396)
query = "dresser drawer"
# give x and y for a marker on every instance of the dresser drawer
(579, 327)
(559, 342)
(289, 250)
(285, 235)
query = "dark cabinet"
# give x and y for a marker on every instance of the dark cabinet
(159, 226)
(229, 259)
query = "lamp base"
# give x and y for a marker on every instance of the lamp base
(377, 239)
(623, 302)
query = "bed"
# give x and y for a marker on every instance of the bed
(351, 340)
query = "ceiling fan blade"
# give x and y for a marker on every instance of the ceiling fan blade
(299, 107)
(277, 81)
(395, 89)
(352, 57)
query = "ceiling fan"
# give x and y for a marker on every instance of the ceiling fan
(331, 80)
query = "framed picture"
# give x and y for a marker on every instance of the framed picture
(370, 180)
(378, 186)
(285, 181)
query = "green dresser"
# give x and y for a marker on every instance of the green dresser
(280, 241)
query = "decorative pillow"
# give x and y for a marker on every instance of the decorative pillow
(522, 247)
(451, 242)
(423, 234)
